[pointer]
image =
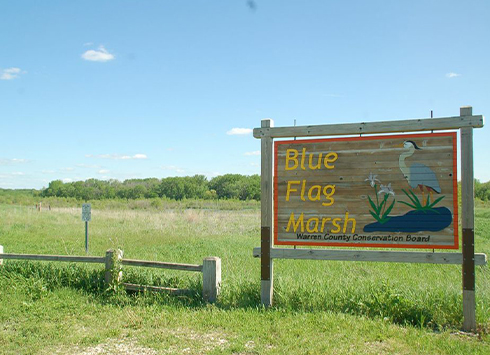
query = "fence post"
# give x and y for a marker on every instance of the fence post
(113, 267)
(211, 278)
(1, 252)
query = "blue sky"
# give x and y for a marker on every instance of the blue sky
(135, 89)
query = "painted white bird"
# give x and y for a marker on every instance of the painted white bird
(418, 175)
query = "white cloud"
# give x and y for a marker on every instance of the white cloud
(117, 156)
(239, 131)
(67, 180)
(255, 152)
(173, 168)
(88, 44)
(13, 161)
(103, 171)
(91, 166)
(11, 73)
(67, 169)
(99, 55)
(452, 75)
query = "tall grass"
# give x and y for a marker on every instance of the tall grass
(413, 294)
(31, 198)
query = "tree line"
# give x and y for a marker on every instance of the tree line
(228, 186)
(482, 190)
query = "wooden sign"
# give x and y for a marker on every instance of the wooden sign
(377, 191)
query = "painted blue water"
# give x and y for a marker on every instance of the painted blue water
(432, 220)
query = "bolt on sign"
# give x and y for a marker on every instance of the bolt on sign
(375, 191)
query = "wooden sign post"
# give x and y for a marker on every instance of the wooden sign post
(390, 191)
(468, 223)
(267, 267)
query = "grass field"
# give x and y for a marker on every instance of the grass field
(320, 306)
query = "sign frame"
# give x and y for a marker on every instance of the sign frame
(465, 123)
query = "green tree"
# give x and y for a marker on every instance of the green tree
(172, 187)
(54, 189)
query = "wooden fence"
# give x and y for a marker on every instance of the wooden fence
(113, 261)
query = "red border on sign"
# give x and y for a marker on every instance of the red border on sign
(373, 245)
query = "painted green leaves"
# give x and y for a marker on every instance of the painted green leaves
(380, 210)
(416, 204)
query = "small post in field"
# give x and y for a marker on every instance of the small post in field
(113, 266)
(86, 237)
(1, 252)
(86, 217)
(211, 278)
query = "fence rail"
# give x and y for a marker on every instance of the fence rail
(162, 265)
(113, 260)
(170, 290)
(66, 258)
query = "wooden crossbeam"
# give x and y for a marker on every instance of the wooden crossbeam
(416, 125)
(371, 255)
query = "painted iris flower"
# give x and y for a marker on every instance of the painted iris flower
(372, 179)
